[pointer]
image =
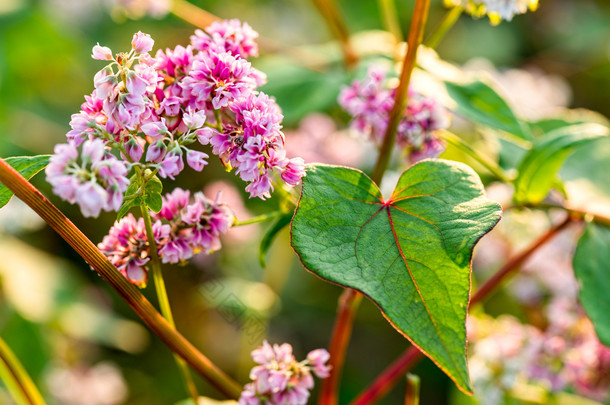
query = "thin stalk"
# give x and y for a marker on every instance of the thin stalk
(412, 394)
(132, 296)
(16, 379)
(486, 163)
(443, 27)
(193, 14)
(391, 375)
(416, 34)
(349, 301)
(166, 309)
(390, 18)
(330, 12)
(259, 218)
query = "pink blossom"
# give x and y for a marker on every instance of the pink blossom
(196, 159)
(279, 379)
(156, 130)
(230, 35)
(101, 52)
(95, 179)
(142, 43)
(156, 152)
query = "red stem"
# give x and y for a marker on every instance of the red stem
(141, 306)
(395, 372)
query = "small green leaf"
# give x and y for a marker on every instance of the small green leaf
(480, 103)
(591, 267)
(267, 240)
(128, 204)
(28, 167)
(410, 254)
(154, 185)
(154, 201)
(539, 167)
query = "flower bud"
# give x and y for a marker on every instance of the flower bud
(142, 43)
(196, 159)
(134, 150)
(156, 152)
(101, 52)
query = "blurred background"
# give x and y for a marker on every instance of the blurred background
(83, 345)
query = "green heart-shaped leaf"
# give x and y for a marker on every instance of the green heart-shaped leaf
(410, 255)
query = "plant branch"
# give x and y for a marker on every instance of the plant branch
(140, 305)
(486, 163)
(346, 311)
(16, 379)
(350, 299)
(193, 14)
(391, 375)
(416, 33)
(390, 18)
(166, 309)
(443, 27)
(329, 10)
(259, 218)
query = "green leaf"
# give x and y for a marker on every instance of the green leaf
(154, 185)
(267, 240)
(153, 201)
(410, 255)
(28, 167)
(480, 103)
(128, 204)
(591, 268)
(539, 167)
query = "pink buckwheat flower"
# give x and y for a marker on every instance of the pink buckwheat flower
(126, 246)
(142, 43)
(101, 52)
(194, 226)
(279, 379)
(230, 35)
(370, 102)
(95, 179)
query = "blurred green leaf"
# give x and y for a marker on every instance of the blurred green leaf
(411, 255)
(269, 236)
(28, 167)
(539, 167)
(591, 267)
(480, 103)
(127, 205)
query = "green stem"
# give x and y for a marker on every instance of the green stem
(486, 163)
(443, 27)
(259, 218)
(132, 296)
(16, 379)
(390, 18)
(416, 34)
(412, 394)
(166, 309)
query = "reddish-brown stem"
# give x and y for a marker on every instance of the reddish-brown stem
(394, 373)
(350, 299)
(140, 305)
(348, 303)
(329, 10)
(416, 35)
(193, 14)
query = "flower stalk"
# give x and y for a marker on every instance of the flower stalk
(439, 32)
(138, 303)
(166, 309)
(390, 18)
(412, 394)
(16, 379)
(329, 10)
(350, 299)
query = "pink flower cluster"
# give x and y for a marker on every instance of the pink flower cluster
(370, 102)
(94, 179)
(154, 110)
(181, 229)
(279, 379)
(564, 355)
